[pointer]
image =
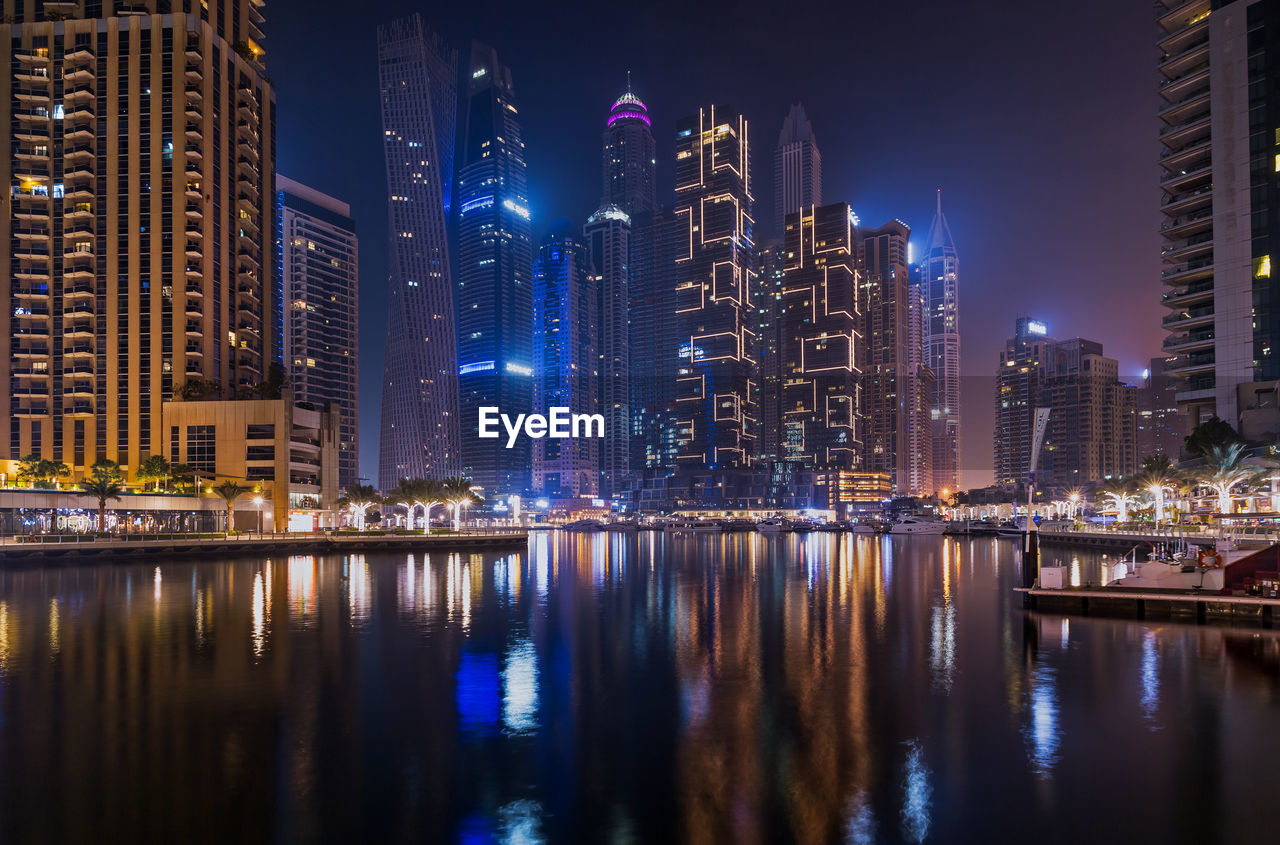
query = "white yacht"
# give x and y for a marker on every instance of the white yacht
(771, 526)
(918, 525)
(693, 526)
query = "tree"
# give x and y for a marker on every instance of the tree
(41, 472)
(154, 469)
(1119, 494)
(413, 492)
(1211, 433)
(104, 483)
(1157, 478)
(230, 491)
(199, 389)
(1224, 470)
(359, 498)
(459, 494)
(182, 476)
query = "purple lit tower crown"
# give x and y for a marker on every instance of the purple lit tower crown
(628, 107)
(629, 157)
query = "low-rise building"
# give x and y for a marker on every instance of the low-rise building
(287, 449)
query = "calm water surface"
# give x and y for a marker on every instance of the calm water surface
(737, 688)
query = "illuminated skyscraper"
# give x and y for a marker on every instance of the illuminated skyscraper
(608, 240)
(921, 387)
(797, 167)
(564, 366)
(1092, 432)
(495, 263)
(319, 267)
(417, 78)
(716, 379)
(883, 299)
(820, 346)
(138, 228)
(1221, 201)
(629, 157)
(940, 283)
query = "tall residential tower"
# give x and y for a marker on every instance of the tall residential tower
(717, 373)
(417, 78)
(940, 283)
(1221, 200)
(629, 157)
(495, 265)
(319, 260)
(138, 220)
(797, 167)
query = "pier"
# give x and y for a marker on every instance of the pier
(78, 548)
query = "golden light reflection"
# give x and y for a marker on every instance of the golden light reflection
(259, 615)
(55, 634)
(301, 572)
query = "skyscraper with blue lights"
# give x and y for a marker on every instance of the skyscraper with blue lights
(417, 78)
(565, 361)
(494, 270)
(940, 285)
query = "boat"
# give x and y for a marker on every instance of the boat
(918, 525)
(771, 526)
(584, 525)
(833, 526)
(693, 526)
(863, 528)
(738, 524)
(629, 527)
(1009, 529)
(801, 526)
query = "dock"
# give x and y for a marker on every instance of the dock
(83, 548)
(1143, 604)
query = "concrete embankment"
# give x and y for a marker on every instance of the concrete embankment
(79, 549)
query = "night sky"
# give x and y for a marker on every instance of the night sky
(1038, 123)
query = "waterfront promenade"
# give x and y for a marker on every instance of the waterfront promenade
(16, 548)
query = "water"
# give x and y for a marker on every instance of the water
(607, 688)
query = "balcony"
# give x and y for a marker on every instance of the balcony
(1192, 271)
(78, 350)
(1195, 174)
(82, 286)
(1186, 250)
(1189, 318)
(1198, 292)
(1188, 201)
(35, 350)
(1188, 225)
(83, 390)
(77, 56)
(78, 329)
(33, 409)
(1183, 50)
(78, 409)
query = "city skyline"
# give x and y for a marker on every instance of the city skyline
(1013, 162)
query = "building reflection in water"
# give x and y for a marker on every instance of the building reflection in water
(633, 687)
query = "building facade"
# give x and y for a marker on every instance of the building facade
(284, 449)
(940, 284)
(607, 236)
(1220, 198)
(821, 344)
(1092, 431)
(565, 367)
(138, 225)
(319, 261)
(1162, 425)
(884, 303)
(797, 168)
(921, 389)
(717, 374)
(630, 157)
(495, 264)
(417, 79)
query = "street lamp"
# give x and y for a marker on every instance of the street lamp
(257, 500)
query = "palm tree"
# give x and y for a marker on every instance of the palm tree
(153, 470)
(1157, 477)
(1224, 470)
(104, 483)
(1074, 497)
(359, 497)
(459, 494)
(415, 492)
(230, 491)
(1119, 494)
(41, 472)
